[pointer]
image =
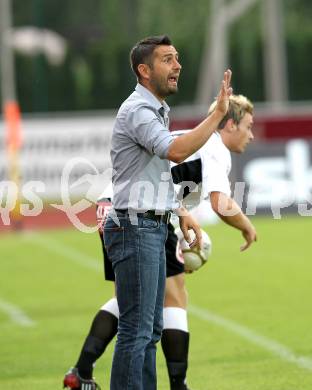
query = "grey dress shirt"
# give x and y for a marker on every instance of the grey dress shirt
(140, 142)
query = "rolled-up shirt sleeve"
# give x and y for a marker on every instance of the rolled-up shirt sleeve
(147, 130)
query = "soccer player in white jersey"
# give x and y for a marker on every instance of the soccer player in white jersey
(208, 170)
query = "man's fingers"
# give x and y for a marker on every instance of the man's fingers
(245, 246)
(198, 235)
(222, 90)
(186, 235)
(225, 83)
(226, 89)
(249, 241)
(228, 77)
(193, 243)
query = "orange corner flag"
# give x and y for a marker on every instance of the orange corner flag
(12, 118)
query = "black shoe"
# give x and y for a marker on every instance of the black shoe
(73, 380)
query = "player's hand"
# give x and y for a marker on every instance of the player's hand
(187, 222)
(224, 93)
(250, 236)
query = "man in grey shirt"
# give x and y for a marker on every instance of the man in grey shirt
(143, 198)
(141, 139)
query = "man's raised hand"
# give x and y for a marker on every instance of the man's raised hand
(224, 94)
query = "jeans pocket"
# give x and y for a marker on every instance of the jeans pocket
(114, 242)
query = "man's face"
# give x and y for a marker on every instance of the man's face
(164, 71)
(242, 134)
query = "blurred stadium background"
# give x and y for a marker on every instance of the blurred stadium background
(64, 72)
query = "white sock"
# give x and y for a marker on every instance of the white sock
(112, 307)
(175, 318)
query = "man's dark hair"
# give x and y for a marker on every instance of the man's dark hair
(143, 50)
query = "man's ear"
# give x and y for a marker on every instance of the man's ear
(229, 126)
(144, 71)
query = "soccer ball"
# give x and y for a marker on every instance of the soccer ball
(194, 258)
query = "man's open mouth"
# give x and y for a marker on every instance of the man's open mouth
(173, 80)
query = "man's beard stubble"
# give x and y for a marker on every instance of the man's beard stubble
(161, 89)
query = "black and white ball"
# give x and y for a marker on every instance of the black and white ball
(194, 258)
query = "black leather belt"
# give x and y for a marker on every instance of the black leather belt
(165, 218)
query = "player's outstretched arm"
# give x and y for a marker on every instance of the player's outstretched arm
(229, 211)
(187, 144)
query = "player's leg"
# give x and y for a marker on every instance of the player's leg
(175, 335)
(104, 325)
(102, 331)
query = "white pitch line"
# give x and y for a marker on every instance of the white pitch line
(66, 251)
(270, 345)
(16, 314)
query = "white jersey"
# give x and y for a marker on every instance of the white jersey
(208, 169)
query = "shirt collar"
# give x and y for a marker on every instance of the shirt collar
(144, 92)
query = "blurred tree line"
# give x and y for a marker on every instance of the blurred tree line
(96, 75)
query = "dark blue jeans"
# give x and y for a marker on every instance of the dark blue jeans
(137, 253)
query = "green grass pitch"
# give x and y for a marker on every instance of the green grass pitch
(250, 313)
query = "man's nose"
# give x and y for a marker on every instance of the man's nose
(177, 65)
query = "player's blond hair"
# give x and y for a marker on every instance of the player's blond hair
(239, 105)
